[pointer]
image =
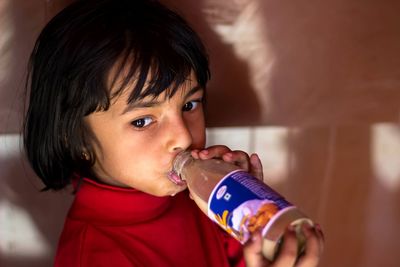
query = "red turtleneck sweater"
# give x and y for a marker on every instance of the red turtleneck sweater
(111, 226)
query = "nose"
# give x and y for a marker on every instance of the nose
(178, 135)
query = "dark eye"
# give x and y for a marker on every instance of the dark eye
(191, 105)
(142, 122)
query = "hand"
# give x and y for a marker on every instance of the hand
(251, 164)
(287, 256)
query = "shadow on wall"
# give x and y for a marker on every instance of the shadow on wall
(336, 62)
(31, 221)
(349, 180)
(231, 99)
(333, 172)
(15, 42)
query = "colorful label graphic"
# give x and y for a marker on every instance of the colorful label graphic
(242, 204)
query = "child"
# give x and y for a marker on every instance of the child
(117, 91)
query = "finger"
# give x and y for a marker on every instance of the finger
(313, 249)
(256, 167)
(239, 158)
(216, 151)
(195, 153)
(288, 253)
(253, 254)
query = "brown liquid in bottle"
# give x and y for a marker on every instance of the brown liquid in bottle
(202, 176)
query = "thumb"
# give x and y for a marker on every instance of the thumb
(252, 251)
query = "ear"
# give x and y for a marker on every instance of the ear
(85, 156)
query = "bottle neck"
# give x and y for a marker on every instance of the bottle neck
(180, 161)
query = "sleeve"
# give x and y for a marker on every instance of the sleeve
(234, 250)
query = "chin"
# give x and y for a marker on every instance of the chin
(175, 190)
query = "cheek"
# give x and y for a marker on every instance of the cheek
(114, 154)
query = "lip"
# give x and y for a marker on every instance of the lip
(173, 177)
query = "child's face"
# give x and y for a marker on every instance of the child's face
(137, 143)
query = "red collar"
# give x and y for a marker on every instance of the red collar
(106, 204)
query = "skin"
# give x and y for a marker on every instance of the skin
(136, 144)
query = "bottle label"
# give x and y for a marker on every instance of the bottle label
(242, 204)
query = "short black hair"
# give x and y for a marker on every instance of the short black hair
(69, 69)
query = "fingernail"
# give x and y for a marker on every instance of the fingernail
(229, 155)
(204, 152)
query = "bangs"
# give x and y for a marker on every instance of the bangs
(154, 71)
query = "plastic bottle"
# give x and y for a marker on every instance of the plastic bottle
(240, 203)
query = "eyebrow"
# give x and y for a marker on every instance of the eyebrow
(149, 104)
